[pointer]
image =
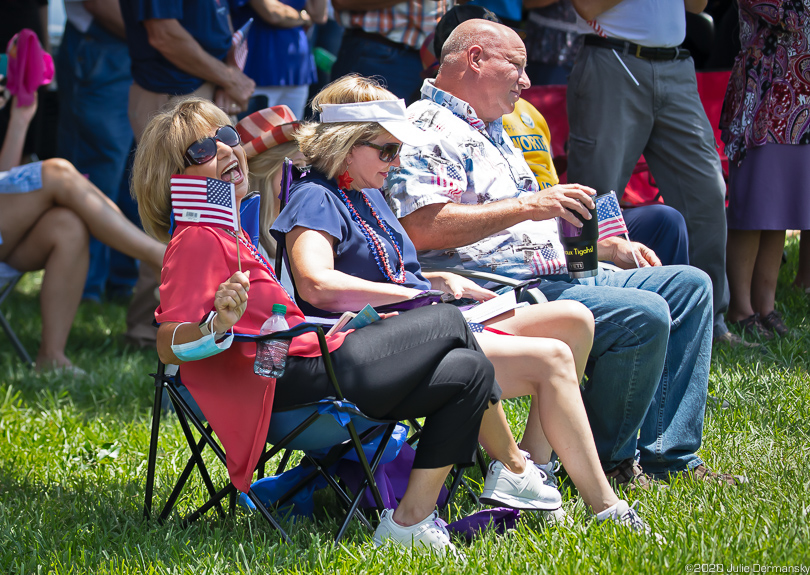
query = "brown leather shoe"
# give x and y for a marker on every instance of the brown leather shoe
(703, 473)
(752, 326)
(628, 474)
(773, 322)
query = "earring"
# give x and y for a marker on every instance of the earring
(345, 180)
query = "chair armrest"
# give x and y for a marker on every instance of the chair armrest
(524, 289)
(479, 275)
(299, 329)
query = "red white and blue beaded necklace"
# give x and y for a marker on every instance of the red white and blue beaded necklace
(372, 238)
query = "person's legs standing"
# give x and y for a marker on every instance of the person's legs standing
(683, 160)
(610, 118)
(95, 134)
(401, 68)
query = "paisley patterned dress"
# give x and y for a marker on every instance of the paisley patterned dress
(768, 96)
(766, 117)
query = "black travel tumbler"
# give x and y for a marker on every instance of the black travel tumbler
(579, 245)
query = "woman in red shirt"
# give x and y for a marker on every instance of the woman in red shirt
(424, 363)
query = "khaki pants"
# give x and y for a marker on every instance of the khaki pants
(143, 104)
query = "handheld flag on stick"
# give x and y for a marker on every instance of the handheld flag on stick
(611, 221)
(240, 46)
(198, 200)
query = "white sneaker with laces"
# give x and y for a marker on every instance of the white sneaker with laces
(558, 517)
(519, 491)
(627, 516)
(430, 533)
(550, 470)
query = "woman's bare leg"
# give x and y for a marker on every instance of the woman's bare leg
(63, 185)
(419, 501)
(545, 368)
(567, 321)
(741, 257)
(57, 243)
(803, 273)
(766, 271)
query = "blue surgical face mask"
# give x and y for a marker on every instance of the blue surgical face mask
(204, 347)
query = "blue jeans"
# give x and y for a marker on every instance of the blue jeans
(94, 132)
(401, 68)
(662, 229)
(651, 354)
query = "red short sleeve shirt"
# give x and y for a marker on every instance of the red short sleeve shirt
(236, 402)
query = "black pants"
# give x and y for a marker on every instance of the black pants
(422, 363)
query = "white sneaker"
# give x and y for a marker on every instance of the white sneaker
(558, 517)
(550, 471)
(627, 516)
(430, 533)
(525, 491)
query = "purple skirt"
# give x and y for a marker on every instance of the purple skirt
(770, 190)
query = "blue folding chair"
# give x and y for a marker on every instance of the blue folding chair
(333, 423)
(9, 277)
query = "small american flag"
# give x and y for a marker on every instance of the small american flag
(204, 201)
(240, 45)
(609, 215)
(547, 261)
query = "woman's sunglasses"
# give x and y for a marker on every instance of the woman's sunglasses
(388, 152)
(205, 150)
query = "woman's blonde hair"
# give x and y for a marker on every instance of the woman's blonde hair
(263, 168)
(159, 156)
(326, 146)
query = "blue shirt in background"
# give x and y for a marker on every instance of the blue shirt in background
(205, 20)
(276, 56)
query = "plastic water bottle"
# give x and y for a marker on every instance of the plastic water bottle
(271, 355)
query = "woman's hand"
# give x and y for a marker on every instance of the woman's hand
(230, 301)
(459, 286)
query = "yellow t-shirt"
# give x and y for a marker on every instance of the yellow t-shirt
(529, 133)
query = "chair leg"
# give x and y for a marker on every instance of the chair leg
(180, 484)
(15, 341)
(153, 442)
(216, 499)
(368, 470)
(266, 514)
(197, 455)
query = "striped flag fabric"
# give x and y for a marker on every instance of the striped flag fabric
(240, 45)
(204, 201)
(609, 215)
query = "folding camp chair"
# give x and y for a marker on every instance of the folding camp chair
(8, 281)
(307, 427)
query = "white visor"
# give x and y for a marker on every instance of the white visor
(390, 114)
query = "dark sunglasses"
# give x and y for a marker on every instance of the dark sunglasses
(205, 150)
(388, 152)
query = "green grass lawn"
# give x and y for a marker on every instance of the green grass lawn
(73, 467)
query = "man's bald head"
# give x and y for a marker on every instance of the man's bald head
(483, 63)
(475, 32)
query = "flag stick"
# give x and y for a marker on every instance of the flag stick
(239, 257)
(632, 251)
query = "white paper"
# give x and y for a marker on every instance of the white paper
(491, 308)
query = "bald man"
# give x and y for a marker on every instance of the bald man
(468, 199)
